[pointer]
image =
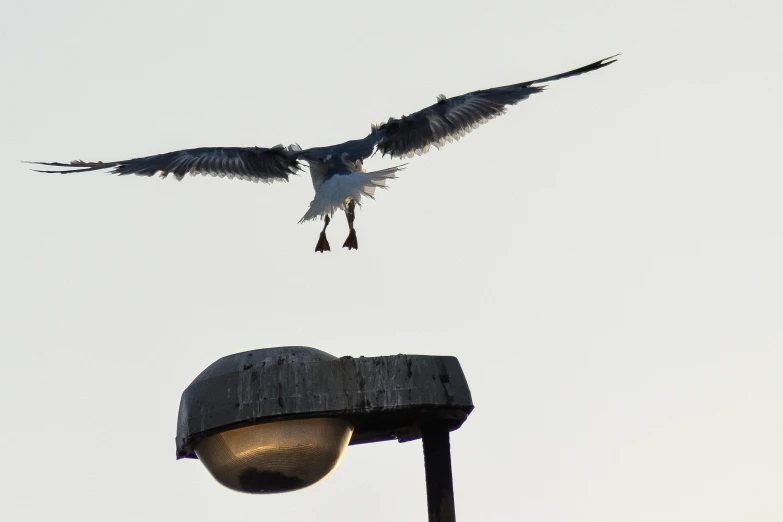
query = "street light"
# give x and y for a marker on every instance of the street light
(279, 419)
(277, 456)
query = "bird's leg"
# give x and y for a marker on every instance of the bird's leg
(351, 242)
(323, 244)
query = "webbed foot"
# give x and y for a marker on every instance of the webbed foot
(323, 243)
(351, 243)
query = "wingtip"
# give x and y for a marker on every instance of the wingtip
(73, 167)
(39, 170)
(39, 163)
(52, 171)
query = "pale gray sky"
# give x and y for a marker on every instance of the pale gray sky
(605, 260)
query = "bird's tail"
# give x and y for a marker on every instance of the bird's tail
(338, 190)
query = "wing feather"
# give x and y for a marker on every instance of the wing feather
(249, 163)
(451, 118)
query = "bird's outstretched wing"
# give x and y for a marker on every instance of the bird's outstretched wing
(452, 118)
(250, 163)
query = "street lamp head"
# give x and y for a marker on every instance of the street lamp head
(276, 456)
(279, 419)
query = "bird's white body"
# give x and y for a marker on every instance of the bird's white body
(338, 190)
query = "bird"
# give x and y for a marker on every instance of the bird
(337, 171)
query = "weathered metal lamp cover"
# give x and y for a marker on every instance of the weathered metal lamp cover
(279, 419)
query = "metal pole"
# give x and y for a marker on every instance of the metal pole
(437, 469)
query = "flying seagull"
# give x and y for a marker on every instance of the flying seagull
(337, 171)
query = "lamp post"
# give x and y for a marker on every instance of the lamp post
(279, 419)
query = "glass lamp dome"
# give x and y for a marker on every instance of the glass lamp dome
(275, 457)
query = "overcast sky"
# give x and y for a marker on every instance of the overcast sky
(605, 260)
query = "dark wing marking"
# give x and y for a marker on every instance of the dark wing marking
(452, 118)
(250, 163)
